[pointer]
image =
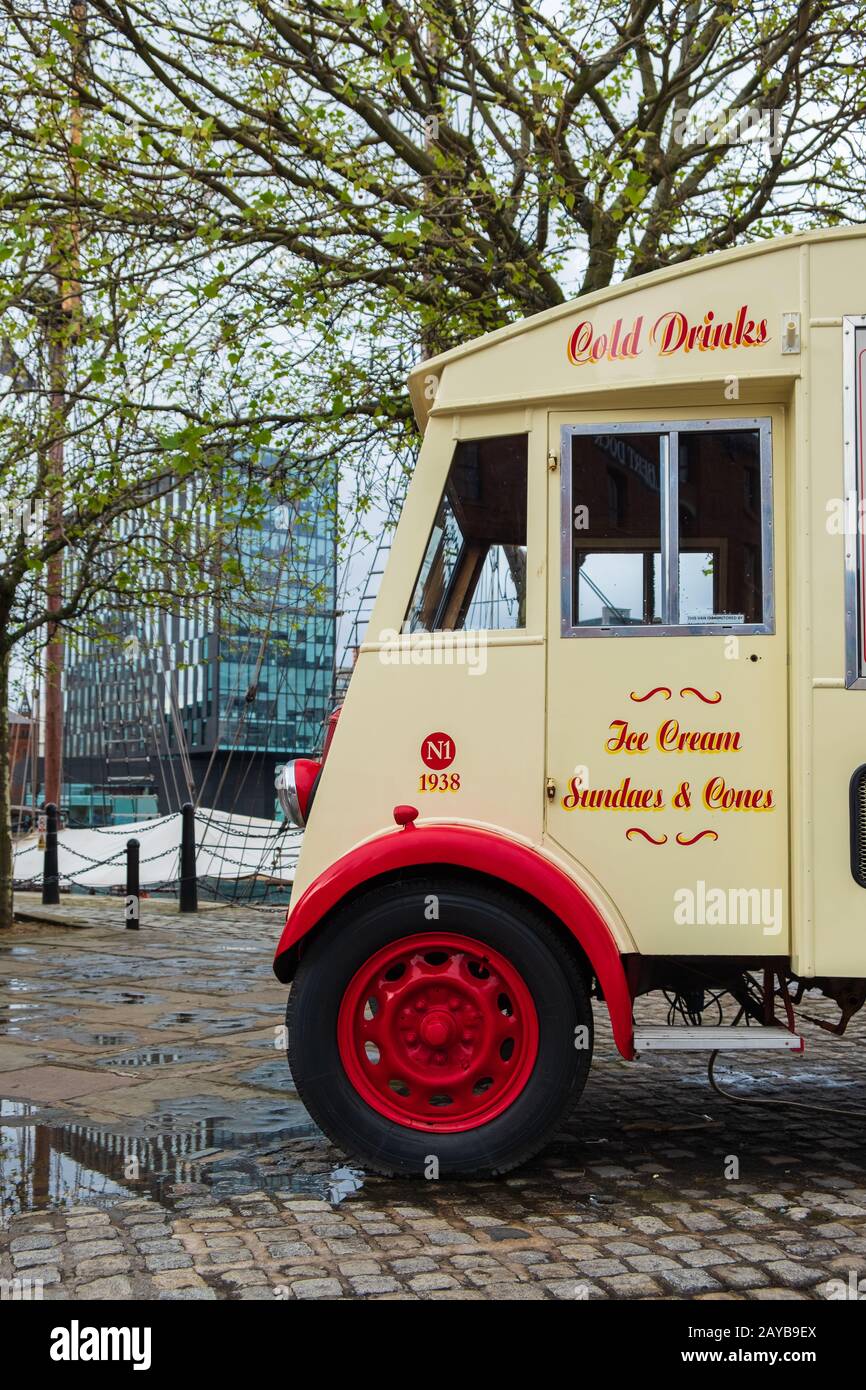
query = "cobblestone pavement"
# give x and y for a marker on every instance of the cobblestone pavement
(152, 1147)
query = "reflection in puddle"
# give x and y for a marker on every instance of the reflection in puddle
(102, 994)
(211, 1020)
(273, 1074)
(33, 1030)
(224, 984)
(43, 1167)
(20, 1018)
(159, 1057)
(117, 1007)
(44, 1164)
(30, 984)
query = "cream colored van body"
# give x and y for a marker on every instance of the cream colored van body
(692, 779)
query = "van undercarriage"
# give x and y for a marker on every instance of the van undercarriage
(694, 984)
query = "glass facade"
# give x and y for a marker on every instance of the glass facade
(231, 683)
(276, 661)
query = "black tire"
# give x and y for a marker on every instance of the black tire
(549, 970)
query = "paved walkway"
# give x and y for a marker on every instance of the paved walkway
(152, 1146)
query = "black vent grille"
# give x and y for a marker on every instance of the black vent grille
(858, 826)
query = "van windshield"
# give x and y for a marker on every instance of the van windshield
(473, 574)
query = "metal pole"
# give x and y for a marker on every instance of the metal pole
(188, 883)
(50, 871)
(62, 327)
(54, 648)
(133, 903)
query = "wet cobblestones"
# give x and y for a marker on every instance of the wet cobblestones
(446, 1244)
(657, 1188)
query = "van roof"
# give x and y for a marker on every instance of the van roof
(703, 265)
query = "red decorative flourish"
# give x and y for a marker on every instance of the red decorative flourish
(707, 699)
(683, 840)
(656, 690)
(636, 830)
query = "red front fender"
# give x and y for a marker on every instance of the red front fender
(487, 853)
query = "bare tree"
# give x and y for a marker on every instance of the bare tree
(128, 373)
(277, 203)
(508, 152)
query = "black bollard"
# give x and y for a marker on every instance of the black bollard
(50, 871)
(188, 884)
(132, 912)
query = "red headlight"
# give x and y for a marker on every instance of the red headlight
(294, 785)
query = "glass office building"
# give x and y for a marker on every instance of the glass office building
(207, 700)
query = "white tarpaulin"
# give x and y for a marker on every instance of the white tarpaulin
(227, 847)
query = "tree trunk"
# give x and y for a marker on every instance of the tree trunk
(5, 798)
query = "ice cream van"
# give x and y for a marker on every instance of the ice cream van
(607, 732)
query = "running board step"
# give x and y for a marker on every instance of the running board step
(684, 1039)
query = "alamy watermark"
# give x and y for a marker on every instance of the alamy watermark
(21, 1289)
(705, 906)
(77, 1343)
(461, 648)
(748, 125)
(24, 518)
(851, 1290)
(845, 516)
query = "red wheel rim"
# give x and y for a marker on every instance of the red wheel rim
(438, 1032)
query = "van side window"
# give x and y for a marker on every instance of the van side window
(720, 527)
(473, 574)
(667, 527)
(616, 518)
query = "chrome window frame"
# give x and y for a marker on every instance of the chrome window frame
(855, 647)
(670, 430)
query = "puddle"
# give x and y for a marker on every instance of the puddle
(97, 966)
(31, 984)
(274, 1074)
(68, 1032)
(211, 1020)
(43, 1167)
(45, 1163)
(17, 1018)
(103, 995)
(159, 1057)
(219, 984)
(17, 950)
(260, 1120)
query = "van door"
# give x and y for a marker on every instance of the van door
(667, 674)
